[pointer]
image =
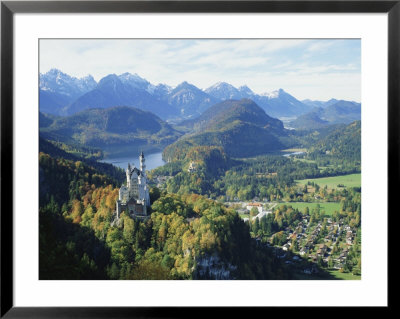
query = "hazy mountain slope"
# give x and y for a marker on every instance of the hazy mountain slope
(189, 100)
(308, 121)
(115, 90)
(45, 119)
(52, 102)
(337, 113)
(342, 112)
(58, 89)
(279, 103)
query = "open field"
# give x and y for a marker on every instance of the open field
(329, 207)
(352, 180)
(344, 276)
(322, 168)
(304, 160)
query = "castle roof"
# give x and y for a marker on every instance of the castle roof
(254, 204)
(136, 170)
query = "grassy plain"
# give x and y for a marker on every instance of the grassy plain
(351, 180)
(328, 207)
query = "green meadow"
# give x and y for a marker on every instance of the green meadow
(328, 207)
(351, 180)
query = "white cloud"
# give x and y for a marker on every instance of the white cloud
(295, 65)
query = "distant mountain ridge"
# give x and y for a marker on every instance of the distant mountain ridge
(333, 112)
(61, 94)
(276, 103)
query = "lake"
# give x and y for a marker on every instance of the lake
(153, 160)
(294, 153)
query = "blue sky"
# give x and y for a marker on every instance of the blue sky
(313, 69)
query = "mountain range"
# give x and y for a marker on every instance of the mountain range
(61, 94)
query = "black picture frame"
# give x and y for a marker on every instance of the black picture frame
(9, 8)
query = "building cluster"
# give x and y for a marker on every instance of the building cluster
(260, 209)
(316, 248)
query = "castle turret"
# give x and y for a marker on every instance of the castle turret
(128, 176)
(142, 164)
(118, 208)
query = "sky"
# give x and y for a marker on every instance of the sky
(308, 69)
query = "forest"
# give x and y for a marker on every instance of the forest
(184, 233)
(191, 233)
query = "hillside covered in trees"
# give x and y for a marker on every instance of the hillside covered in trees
(241, 128)
(329, 152)
(187, 236)
(114, 129)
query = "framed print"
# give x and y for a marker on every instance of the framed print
(160, 155)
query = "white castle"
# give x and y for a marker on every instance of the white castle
(134, 198)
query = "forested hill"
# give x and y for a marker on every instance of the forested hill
(240, 127)
(308, 121)
(88, 156)
(115, 126)
(344, 143)
(222, 114)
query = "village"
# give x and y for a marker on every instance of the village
(324, 243)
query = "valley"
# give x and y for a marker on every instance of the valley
(242, 185)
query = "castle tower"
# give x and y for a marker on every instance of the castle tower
(128, 176)
(142, 164)
(118, 208)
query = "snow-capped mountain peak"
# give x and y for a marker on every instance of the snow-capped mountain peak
(223, 90)
(137, 82)
(273, 94)
(58, 82)
(162, 89)
(244, 89)
(221, 86)
(129, 77)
